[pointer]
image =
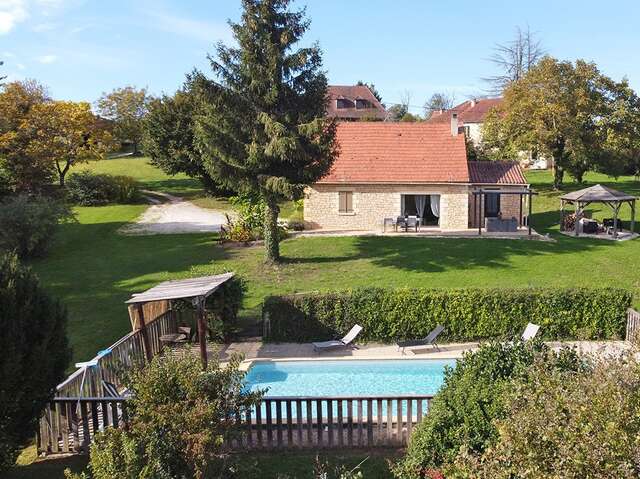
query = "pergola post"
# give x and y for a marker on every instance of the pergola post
(529, 198)
(202, 330)
(633, 216)
(576, 224)
(561, 215)
(615, 220)
(520, 197)
(480, 214)
(143, 332)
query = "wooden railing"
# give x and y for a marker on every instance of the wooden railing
(633, 324)
(69, 424)
(125, 353)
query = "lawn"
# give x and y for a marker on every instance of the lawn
(293, 465)
(93, 269)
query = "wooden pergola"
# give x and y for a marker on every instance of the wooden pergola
(195, 289)
(479, 201)
(598, 194)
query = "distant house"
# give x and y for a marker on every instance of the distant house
(386, 170)
(471, 115)
(352, 103)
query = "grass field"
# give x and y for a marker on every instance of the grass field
(93, 269)
(292, 465)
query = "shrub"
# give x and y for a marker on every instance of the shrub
(28, 223)
(295, 225)
(461, 416)
(179, 421)
(582, 424)
(127, 189)
(222, 309)
(89, 189)
(467, 314)
(34, 355)
(247, 224)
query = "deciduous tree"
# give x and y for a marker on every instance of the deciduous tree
(514, 59)
(169, 138)
(24, 172)
(556, 109)
(438, 101)
(65, 133)
(126, 108)
(263, 129)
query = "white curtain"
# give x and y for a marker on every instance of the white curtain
(435, 205)
(421, 201)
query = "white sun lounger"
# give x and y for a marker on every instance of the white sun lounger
(530, 332)
(338, 343)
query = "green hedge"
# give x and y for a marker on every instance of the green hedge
(467, 314)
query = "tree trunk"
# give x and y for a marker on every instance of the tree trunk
(62, 172)
(558, 175)
(271, 238)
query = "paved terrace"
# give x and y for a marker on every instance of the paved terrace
(269, 351)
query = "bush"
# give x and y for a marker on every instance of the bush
(468, 314)
(247, 225)
(28, 224)
(89, 189)
(222, 309)
(295, 225)
(179, 421)
(34, 355)
(559, 424)
(462, 416)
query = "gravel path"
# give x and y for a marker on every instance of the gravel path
(175, 215)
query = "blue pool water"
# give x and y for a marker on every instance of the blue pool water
(353, 378)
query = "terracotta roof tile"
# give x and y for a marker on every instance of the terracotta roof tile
(496, 172)
(470, 111)
(353, 93)
(381, 152)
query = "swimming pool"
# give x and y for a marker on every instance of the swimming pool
(350, 378)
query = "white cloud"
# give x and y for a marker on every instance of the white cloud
(209, 32)
(47, 59)
(12, 12)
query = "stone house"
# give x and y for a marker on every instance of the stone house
(385, 170)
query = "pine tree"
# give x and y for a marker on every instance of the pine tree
(263, 129)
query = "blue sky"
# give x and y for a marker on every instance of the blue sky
(80, 48)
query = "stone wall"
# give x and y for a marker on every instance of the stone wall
(373, 203)
(509, 206)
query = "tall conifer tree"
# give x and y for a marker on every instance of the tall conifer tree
(263, 129)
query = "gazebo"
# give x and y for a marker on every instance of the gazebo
(195, 289)
(598, 194)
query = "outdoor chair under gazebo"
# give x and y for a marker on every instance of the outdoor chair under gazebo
(596, 194)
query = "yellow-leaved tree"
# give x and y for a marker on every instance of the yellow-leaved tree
(66, 133)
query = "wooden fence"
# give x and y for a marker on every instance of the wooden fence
(69, 424)
(633, 324)
(125, 353)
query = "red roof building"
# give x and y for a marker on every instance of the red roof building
(377, 152)
(470, 111)
(388, 170)
(352, 103)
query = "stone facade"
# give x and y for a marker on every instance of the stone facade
(373, 203)
(509, 206)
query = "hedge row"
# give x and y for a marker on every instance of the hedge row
(468, 314)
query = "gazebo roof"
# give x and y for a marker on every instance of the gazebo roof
(182, 289)
(597, 193)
